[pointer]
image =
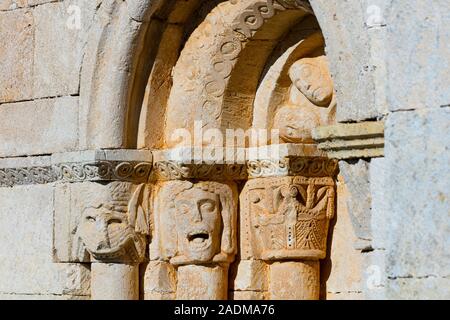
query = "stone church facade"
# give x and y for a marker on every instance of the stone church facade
(212, 149)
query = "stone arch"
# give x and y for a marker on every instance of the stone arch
(115, 70)
(122, 51)
(226, 39)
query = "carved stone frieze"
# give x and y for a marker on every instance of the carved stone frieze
(10, 177)
(293, 166)
(172, 170)
(104, 171)
(286, 218)
(93, 165)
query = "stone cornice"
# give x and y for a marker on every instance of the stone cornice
(141, 166)
(352, 140)
(96, 165)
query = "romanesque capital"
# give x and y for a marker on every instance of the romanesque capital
(114, 225)
(286, 218)
(196, 223)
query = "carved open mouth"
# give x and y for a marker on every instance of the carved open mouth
(199, 239)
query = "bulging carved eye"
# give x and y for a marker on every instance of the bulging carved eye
(207, 206)
(90, 219)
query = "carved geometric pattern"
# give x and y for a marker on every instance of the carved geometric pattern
(293, 166)
(132, 171)
(104, 170)
(23, 176)
(171, 170)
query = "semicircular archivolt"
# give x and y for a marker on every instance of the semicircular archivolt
(236, 38)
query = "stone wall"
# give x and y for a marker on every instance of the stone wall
(72, 78)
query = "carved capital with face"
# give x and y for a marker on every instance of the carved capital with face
(113, 226)
(287, 218)
(197, 222)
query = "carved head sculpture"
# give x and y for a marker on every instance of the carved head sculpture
(310, 101)
(199, 224)
(113, 227)
(312, 78)
(289, 217)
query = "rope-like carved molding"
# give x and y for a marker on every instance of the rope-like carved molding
(10, 177)
(172, 170)
(133, 171)
(293, 166)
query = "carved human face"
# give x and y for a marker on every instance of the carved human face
(199, 224)
(294, 125)
(105, 231)
(312, 78)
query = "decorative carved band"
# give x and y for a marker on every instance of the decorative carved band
(104, 171)
(10, 177)
(293, 166)
(132, 171)
(172, 170)
(139, 172)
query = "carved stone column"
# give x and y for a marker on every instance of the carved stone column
(195, 226)
(285, 215)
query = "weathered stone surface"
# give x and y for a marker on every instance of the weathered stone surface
(433, 288)
(27, 266)
(46, 126)
(380, 215)
(417, 195)
(114, 281)
(351, 141)
(294, 280)
(249, 275)
(159, 281)
(342, 271)
(16, 52)
(12, 4)
(58, 55)
(348, 50)
(211, 283)
(356, 178)
(417, 82)
(247, 295)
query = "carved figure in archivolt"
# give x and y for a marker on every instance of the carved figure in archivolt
(197, 222)
(287, 218)
(310, 102)
(114, 225)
